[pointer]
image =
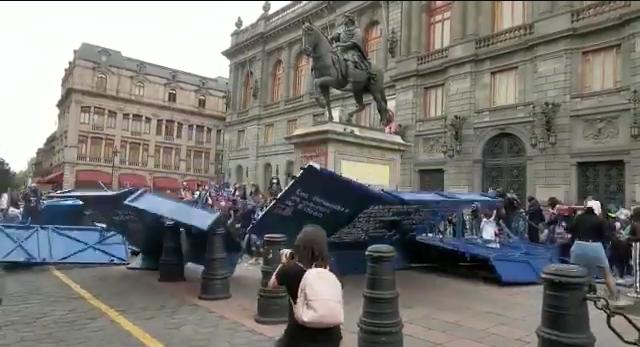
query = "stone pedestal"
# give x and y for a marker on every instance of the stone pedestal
(366, 155)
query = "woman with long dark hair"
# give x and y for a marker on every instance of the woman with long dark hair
(311, 249)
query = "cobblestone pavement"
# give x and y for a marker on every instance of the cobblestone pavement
(437, 310)
(39, 311)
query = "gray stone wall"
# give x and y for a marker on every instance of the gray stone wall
(547, 52)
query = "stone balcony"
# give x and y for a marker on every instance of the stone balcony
(597, 9)
(510, 34)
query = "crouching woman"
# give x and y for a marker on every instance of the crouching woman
(315, 305)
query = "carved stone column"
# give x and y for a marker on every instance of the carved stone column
(416, 27)
(405, 40)
(542, 7)
(484, 18)
(471, 18)
(458, 20)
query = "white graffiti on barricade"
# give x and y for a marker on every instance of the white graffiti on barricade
(314, 205)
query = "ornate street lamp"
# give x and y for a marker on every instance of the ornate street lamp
(533, 139)
(635, 125)
(545, 117)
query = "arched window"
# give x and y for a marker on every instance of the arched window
(278, 76)
(139, 89)
(247, 90)
(373, 40)
(202, 101)
(101, 82)
(300, 74)
(173, 95)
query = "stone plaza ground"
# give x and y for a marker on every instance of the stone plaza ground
(45, 307)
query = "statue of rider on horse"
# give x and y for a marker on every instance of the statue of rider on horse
(348, 41)
(340, 62)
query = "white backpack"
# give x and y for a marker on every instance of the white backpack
(319, 302)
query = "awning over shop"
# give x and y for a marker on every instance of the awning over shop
(53, 178)
(93, 176)
(166, 183)
(130, 180)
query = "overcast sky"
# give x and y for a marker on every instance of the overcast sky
(37, 40)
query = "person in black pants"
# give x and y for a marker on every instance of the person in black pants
(535, 217)
(311, 249)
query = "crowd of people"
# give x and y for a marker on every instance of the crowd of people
(16, 205)
(242, 203)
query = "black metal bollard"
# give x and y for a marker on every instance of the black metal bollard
(171, 265)
(273, 304)
(215, 284)
(565, 315)
(380, 323)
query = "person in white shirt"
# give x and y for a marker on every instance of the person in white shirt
(489, 227)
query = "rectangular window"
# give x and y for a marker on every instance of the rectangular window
(190, 133)
(601, 69)
(179, 131)
(123, 152)
(434, 102)
(439, 24)
(159, 127)
(169, 128)
(292, 125)
(145, 155)
(507, 14)
(147, 125)
(209, 134)
(240, 139)
(156, 157)
(199, 134)
(188, 160)
(197, 161)
(268, 134)
(95, 149)
(111, 120)
(82, 146)
(206, 162)
(125, 121)
(98, 118)
(85, 112)
(365, 118)
(176, 159)
(218, 137)
(167, 157)
(134, 154)
(504, 87)
(108, 150)
(136, 124)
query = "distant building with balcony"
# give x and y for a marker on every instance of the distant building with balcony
(124, 122)
(487, 62)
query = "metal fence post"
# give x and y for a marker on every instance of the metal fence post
(380, 323)
(273, 304)
(215, 284)
(565, 315)
(171, 265)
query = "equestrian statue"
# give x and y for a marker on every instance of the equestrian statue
(340, 62)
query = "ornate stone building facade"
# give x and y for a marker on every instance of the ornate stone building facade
(529, 96)
(126, 122)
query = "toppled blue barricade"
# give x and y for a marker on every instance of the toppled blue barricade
(425, 227)
(49, 244)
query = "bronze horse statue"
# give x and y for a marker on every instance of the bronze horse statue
(330, 70)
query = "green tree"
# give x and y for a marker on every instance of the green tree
(7, 177)
(20, 179)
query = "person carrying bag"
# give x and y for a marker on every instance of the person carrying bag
(316, 310)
